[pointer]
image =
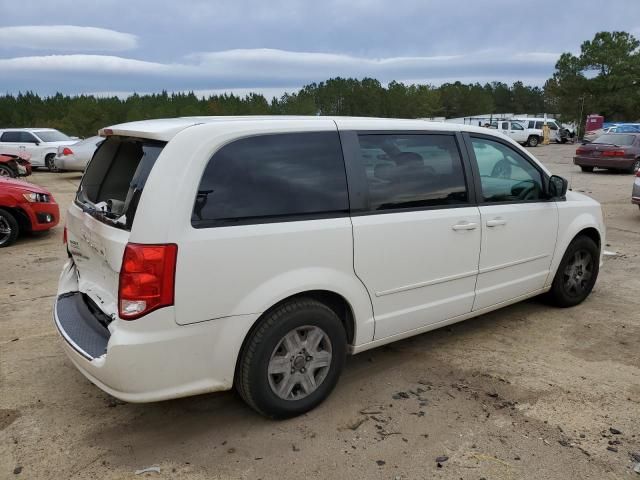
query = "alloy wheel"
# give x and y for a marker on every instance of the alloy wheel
(578, 273)
(5, 230)
(300, 362)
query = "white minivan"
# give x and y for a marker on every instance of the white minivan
(257, 252)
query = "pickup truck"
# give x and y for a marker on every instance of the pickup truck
(526, 136)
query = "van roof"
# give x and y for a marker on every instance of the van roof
(165, 129)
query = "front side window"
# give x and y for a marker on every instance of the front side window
(412, 171)
(273, 176)
(26, 137)
(505, 175)
(516, 126)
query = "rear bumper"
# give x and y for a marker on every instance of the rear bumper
(70, 163)
(151, 358)
(603, 162)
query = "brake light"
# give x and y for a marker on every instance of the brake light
(613, 153)
(147, 279)
(64, 235)
(580, 151)
(67, 151)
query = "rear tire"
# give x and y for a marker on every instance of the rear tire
(49, 163)
(635, 168)
(533, 141)
(586, 169)
(281, 371)
(7, 171)
(577, 273)
(9, 228)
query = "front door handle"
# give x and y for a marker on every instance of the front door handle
(465, 226)
(496, 222)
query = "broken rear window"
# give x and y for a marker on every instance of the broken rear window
(115, 177)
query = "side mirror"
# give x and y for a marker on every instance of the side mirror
(557, 186)
(37, 143)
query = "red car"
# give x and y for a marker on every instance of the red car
(14, 166)
(24, 207)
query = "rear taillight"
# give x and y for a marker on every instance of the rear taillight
(67, 151)
(580, 151)
(64, 235)
(147, 279)
(613, 153)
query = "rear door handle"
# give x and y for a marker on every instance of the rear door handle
(496, 222)
(465, 226)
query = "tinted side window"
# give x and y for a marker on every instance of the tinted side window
(11, 137)
(27, 137)
(276, 175)
(505, 175)
(412, 171)
(516, 126)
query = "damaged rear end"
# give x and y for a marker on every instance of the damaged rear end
(112, 293)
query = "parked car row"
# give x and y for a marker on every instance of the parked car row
(48, 148)
(624, 128)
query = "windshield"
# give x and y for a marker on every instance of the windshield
(113, 182)
(52, 136)
(615, 139)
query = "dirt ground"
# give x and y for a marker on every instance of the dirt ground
(527, 392)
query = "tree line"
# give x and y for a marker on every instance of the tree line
(603, 78)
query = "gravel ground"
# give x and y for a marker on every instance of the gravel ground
(529, 391)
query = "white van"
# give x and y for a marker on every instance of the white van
(259, 251)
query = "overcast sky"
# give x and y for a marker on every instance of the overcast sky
(271, 46)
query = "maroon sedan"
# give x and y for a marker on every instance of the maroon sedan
(615, 151)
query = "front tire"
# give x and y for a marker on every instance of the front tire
(7, 171)
(292, 361)
(586, 169)
(533, 141)
(577, 273)
(9, 228)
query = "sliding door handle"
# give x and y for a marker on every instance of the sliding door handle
(496, 222)
(465, 226)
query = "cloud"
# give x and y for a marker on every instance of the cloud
(66, 37)
(274, 68)
(84, 64)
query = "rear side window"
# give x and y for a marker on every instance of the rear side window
(115, 178)
(273, 178)
(18, 137)
(412, 171)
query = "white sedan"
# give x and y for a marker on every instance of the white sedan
(75, 157)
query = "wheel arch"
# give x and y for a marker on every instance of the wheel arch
(24, 222)
(585, 224)
(336, 302)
